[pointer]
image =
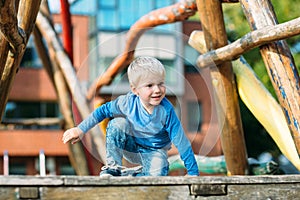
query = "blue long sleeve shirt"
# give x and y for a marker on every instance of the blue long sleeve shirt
(156, 130)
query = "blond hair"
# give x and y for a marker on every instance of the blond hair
(142, 67)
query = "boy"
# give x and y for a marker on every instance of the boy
(143, 124)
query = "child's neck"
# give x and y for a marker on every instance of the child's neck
(149, 109)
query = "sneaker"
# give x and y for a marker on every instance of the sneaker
(131, 171)
(107, 171)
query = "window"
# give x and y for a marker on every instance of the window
(107, 20)
(18, 168)
(64, 166)
(194, 116)
(171, 76)
(107, 4)
(59, 165)
(120, 15)
(29, 110)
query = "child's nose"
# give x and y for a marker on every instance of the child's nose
(156, 88)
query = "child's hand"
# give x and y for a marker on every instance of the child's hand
(72, 134)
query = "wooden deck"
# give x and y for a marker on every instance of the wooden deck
(206, 187)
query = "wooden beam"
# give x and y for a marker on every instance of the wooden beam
(249, 41)
(17, 38)
(226, 100)
(9, 26)
(279, 63)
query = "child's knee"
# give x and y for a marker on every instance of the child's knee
(118, 124)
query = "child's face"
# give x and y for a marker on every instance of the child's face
(151, 91)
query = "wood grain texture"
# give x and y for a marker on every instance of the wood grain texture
(16, 24)
(91, 187)
(279, 63)
(225, 94)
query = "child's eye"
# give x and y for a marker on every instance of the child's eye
(149, 85)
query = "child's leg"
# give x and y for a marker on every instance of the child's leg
(120, 143)
(115, 141)
(155, 162)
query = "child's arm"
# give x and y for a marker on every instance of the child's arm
(182, 143)
(72, 134)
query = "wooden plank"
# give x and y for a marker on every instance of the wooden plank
(264, 191)
(96, 181)
(276, 191)
(120, 192)
(225, 94)
(31, 181)
(181, 180)
(7, 193)
(178, 187)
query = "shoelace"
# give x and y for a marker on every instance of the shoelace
(125, 171)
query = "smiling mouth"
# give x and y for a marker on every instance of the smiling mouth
(156, 97)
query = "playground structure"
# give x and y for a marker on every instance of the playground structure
(213, 44)
(276, 54)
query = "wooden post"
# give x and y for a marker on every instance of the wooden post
(279, 63)
(226, 100)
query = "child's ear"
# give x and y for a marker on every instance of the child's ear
(134, 90)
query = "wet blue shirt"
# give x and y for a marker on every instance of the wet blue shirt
(156, 130)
